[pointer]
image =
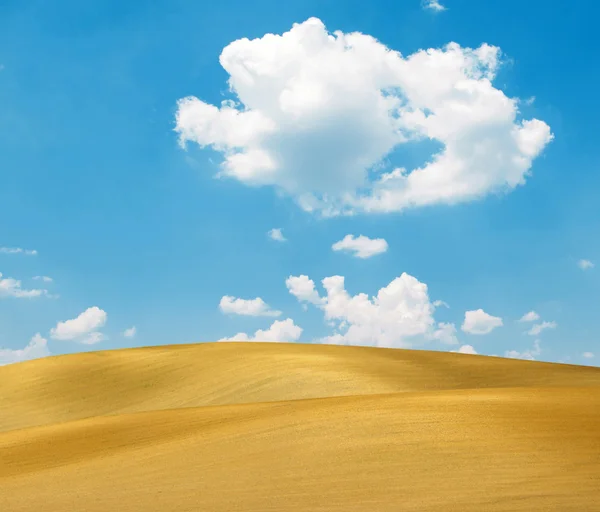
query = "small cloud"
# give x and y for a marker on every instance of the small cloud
(465, 349)
(246, 307)
(10, 287)
(479, 322)
(280, 331)
(276, 234)
(538, 328)
(362, 247)
(439, 303)
(527, 354)
(532, 316)
(45, 279)
(82, 329)
(36, 348)
(588, 355)
(446, 333)
(18, 250)
(433, 5)
(130, 333)
(585, 264)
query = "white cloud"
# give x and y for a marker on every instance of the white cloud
(465, 349)
(12, 288)
(45, 279)
(588, 355)
(538, 328)
(400, 315)
(82, 329)
(362, 246)
(439, 303)
(317, 114)
(276, 234)
(479, 322)
(280, 331)
(433, 5)
(18, 250)
(585, 264)
(303, 289)
(446, 333)
(130, 333)
(528, 354)
(532, 316)
(246, 307)
(36, 348)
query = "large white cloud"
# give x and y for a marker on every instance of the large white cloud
(280, 330)
(479, 322)
(37, 347)
(83, 329)
(317, 113)
(361, 246)
(401, 314)
(10, 287)
(246, 307)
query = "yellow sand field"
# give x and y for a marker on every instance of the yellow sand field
(286, 427)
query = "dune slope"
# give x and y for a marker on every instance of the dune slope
(71, 387)
(278, 427)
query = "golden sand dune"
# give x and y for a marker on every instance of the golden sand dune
(284, 427)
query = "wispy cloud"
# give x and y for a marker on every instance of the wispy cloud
(18, 250)
(10, 287)
(532, 316)
(130, 333)
(538, 328)
(46, 279)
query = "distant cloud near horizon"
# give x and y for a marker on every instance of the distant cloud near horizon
(45, 279)
(465, 349)
(130, 333)
(400, 315)
(280, 331)
(36, 348)
(82, 329)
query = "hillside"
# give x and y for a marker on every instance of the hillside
(288, 427)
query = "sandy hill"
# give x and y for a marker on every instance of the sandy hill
(278, 427)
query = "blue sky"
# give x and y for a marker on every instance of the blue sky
(135, 230)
